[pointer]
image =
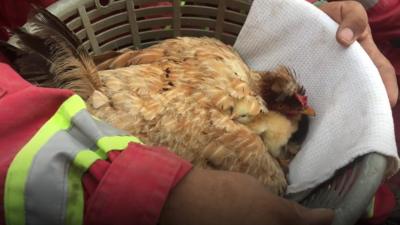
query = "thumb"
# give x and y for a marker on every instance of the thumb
(352, 19)
(354, 23)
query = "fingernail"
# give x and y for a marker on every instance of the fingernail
(346, 35)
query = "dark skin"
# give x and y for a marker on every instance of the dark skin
(207, 197)
(227, 198)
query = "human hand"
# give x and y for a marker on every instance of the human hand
(353, 26)
(206, 197)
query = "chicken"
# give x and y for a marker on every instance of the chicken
(193, 95)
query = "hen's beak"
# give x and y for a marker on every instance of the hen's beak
(308, 111)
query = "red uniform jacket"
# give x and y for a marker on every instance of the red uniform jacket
(130, 187)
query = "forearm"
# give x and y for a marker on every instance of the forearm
(207, 197)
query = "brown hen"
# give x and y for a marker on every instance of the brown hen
(193, 95)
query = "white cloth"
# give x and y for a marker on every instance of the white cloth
(343, 86)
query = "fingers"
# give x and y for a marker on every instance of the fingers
(306, 216)
(351, 17)
(353, 26)
(385, 68)
(354, 22)
(390, 81)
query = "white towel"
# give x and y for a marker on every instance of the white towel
(343, 86)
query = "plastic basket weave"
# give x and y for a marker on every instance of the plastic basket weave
(140, 23)
(104, 25)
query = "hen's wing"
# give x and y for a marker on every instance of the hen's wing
(201, 50)
(207, 55)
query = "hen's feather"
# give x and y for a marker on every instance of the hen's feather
(68, 63)
(33, 66)
(46, 23)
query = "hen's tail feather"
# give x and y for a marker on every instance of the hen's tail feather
(34, 43)
(69, 64)
(46, 19)
(10, 51)
(86, 74)
(32, 66)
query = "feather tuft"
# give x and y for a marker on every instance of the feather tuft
(45, 20)
(68, 64)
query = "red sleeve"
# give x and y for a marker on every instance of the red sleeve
(384, 19)
(13, 13)
(132, 187)
(23, 110)
(129, 188)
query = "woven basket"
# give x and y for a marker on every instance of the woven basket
(104, 25)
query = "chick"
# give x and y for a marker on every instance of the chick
(275, 130)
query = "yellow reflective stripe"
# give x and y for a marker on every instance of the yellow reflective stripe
(72, 106)
(75, 203)
(107, 144)
(371, 208)
(82, 162)
(17, 174)
(84, 159)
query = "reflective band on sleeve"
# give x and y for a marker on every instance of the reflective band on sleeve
(46, 191)
(371, 208)
(94, 129)
(18, 171)
(107, 144)
(82, 162)
(43, 184)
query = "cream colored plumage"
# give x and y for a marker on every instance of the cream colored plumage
(193, 95)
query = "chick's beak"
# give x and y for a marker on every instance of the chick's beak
(308, 111)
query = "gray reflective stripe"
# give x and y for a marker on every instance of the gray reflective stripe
(108, 130)
(94, 129)
(88, 130)
(81, 137)
(46, 187)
